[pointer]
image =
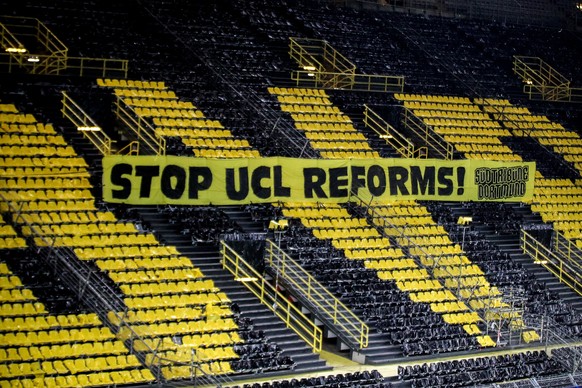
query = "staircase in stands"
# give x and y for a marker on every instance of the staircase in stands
(206, 256)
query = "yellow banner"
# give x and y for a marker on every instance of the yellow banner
(157, 180)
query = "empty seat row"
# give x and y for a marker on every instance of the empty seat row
(176, 328)
(55, 336)
(226, 153)
(20, 118)
(21, 141)
(158, 274)
(20, 162)
(59, 351)
(169, 314)
(125, 251)
(48, 228)
(124, 263)
(100, 240)
(89, 219)
(45, 322)
(297, 91)
(168, 112)
(169, 287)
(158, 103)
(147, 302)
(69, 366)
(145, 93)
(45, 183)
(46, 194)
(26, 150)
(85, 380)
(34, 130)
(121, 82)
(203, 132)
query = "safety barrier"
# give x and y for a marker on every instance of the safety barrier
(357, 82)
(15, 30)
(395, 139)
(433, 140)
(318, 55)
(567, 248)
(326, 68)
(543, 82)
(85, 124)
(142, 129)
(348, 325)
(269, 296)
(566, 272)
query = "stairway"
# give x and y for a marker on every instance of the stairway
(509, 242)
(552, 283)
(378, 350)
(207, 258)
(345, 335)
(243, 219)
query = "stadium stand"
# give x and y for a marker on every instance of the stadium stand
(95, 293)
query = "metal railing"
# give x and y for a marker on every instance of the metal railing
(433, 140)
(85, 124)
(347, 81)
(11, 46)
(325, 67)
(54, 58)
(319, 56)
(143, 130)
(328, 308)
(130, 149)
(305, 55)
(270, 297)
(544, 82)
(47, 64)
(98, 67)
(388, 133)
(557, 335)
(31, 28)
(567, 248)
(567, 273)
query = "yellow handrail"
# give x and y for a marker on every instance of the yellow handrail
(348, 81)
(130, 149)
(567, 248)
(323, 300)
(429, 136)
(385, 131)
(86, 125)
(337, 60)
(144, 131)
(565, 272)
(301, 54)
(98, 67)
(50, 55)
(543, 81)
(11, 45)
(325, 67)
(272, 298)
(320, 55)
